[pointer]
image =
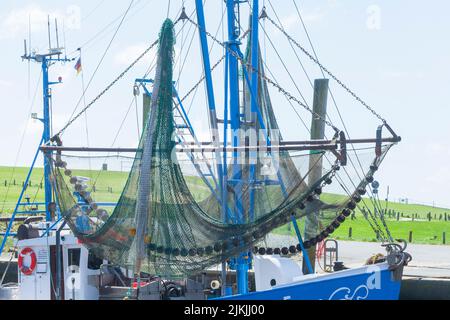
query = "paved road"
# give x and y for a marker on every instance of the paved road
(428, 260)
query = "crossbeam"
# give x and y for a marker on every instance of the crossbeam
(323, 142)
(200, 149)
(206, 147)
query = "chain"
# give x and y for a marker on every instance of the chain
(101, 94)
(109, 86)
(270, 81)
(357, 98)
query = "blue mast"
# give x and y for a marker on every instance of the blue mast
(46, 61)
(241, 263)
(47, 132)
(254, 102)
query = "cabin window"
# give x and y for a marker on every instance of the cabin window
(74, 257)
(94, 263)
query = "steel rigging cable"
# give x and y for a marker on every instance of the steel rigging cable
(102, 58)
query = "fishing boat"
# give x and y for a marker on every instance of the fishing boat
(161, 239)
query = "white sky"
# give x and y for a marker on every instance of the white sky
(394, 54)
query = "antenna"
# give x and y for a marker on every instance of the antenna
(25, 49)
(57, 33)
(49, 34)
(29, 33)
(29, 55)
(64, 38)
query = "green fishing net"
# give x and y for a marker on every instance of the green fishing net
(158, 226)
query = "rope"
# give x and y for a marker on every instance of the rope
(270, 81)
(106, 89)
(101, 94)
(103, 57)
(21, 144)
(323, 70)
(327, 71)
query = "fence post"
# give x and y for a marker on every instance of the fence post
(350, 232)
(410, 237)
(398, 216)
(443, 238)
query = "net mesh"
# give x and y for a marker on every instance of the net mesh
(158, 226)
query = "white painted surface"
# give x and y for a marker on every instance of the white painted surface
(268, 268)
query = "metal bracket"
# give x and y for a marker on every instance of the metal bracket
(343, 154)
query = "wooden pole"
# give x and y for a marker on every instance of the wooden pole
(315, 161)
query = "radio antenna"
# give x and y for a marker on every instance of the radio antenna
(57, 35)
(64, 38)
(28, 53)
(49, 33)
(25, 48)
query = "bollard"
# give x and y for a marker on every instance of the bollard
(410, 237)
(398, 216)
(350, 232)
(443, 238)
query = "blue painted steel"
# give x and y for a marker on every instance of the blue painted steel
(32, 204)
(302, 246)
(51, 227)
(254, 102)
(22, 193)
(225, 140)
(46, 135)
(209, 89)
(368, 283)
(240, 263)
(31, 212)
(205, 53)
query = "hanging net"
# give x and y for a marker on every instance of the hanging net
(159, 225)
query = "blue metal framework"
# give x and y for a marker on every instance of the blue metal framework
(46, 61)
(233, 119)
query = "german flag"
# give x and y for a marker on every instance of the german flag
(78, 66)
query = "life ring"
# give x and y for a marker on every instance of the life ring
(27, 270)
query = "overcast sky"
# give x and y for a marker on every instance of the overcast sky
(394, 54)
